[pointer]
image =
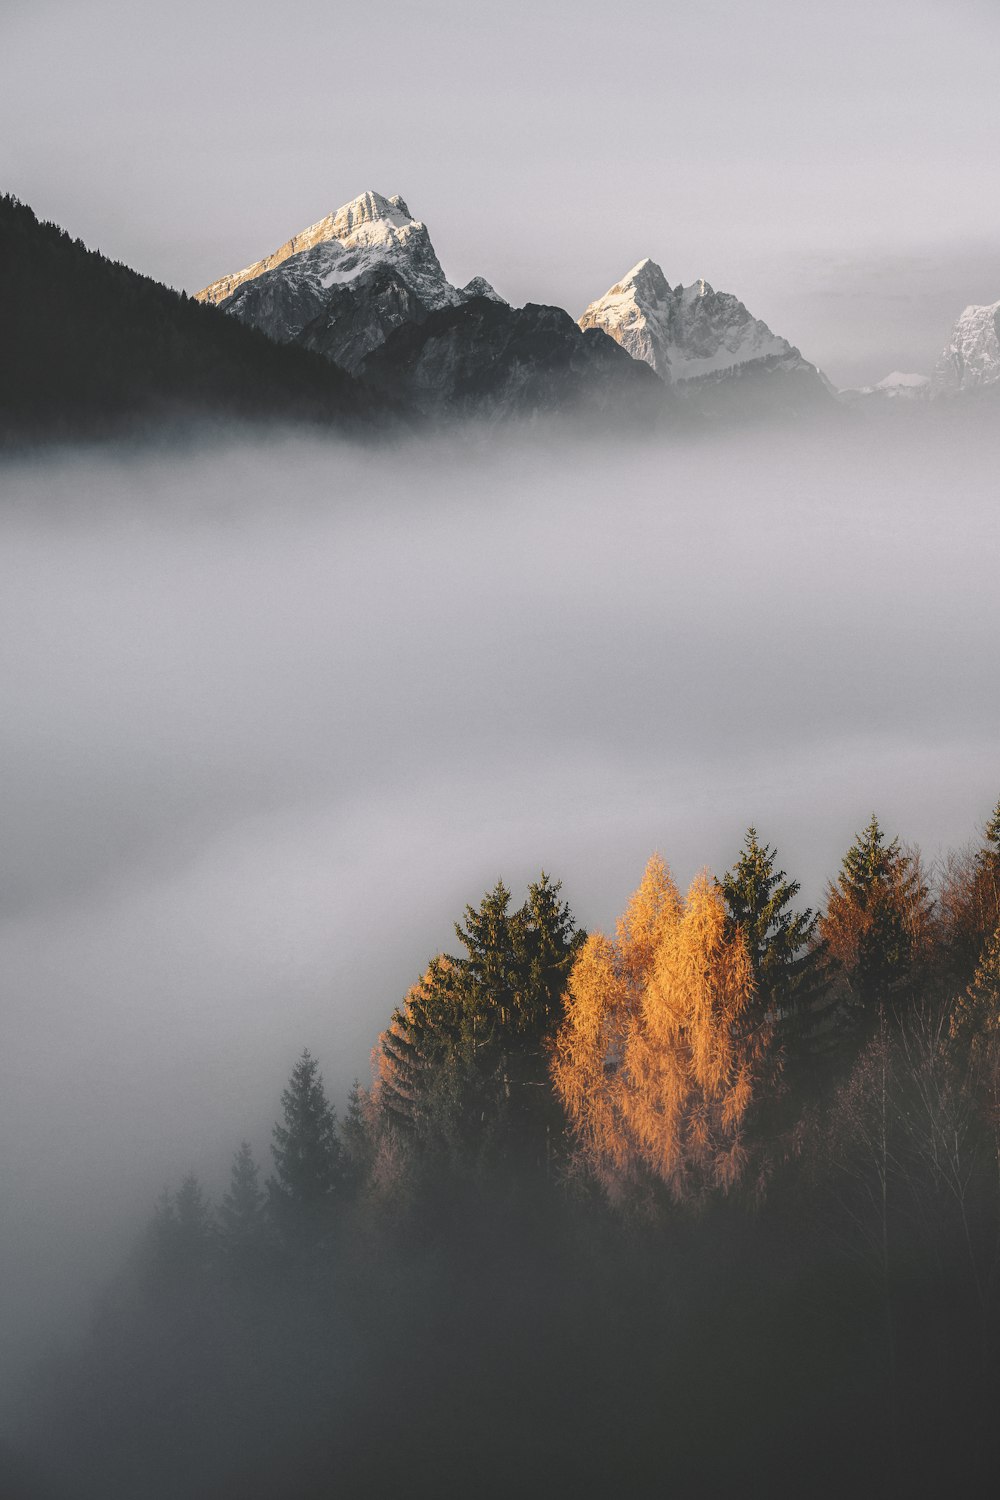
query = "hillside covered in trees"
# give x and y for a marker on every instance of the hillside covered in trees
(92, 349)
(708, 1204)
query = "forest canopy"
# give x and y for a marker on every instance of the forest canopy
(763, 1138)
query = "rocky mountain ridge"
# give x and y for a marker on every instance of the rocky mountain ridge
(685, 332)
(348, 284)
(971, 357)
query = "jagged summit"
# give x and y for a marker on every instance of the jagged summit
(645, 274)
(971, 358)
(343, 284)
(480, 287)
(368, 208)
(685, 332)
(370, 227)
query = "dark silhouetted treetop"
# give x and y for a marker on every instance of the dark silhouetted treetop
(308, 1160)
(244, 1232)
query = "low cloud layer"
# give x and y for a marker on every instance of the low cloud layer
(272, 715)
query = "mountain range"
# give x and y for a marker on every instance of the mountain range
(353, 321)
(347, 286)
(365, 288)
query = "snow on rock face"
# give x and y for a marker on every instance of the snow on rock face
(334, 266)
(686, 332)
(480, 287)
(971, 357)
(368, 228)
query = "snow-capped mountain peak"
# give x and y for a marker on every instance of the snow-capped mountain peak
(345, 283)
(899, 380)
(899, 386)
(685, 332)
(346, 243)
(972, 355)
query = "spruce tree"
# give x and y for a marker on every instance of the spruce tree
(243, 1228)
(308, 1162)
(463, 1060)
(876, 921)
(785, 956)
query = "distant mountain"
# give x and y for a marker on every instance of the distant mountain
(484, 358)
(697, 340)
(92, 348)
(971, 358)
(899, 386)
(345, 284)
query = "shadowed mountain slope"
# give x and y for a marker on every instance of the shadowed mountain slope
(92, 348)
(485, 358)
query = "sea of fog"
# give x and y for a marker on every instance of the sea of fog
(274, 712)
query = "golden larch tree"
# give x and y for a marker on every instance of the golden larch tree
(661, 1053)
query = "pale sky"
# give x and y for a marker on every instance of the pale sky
(833, 165)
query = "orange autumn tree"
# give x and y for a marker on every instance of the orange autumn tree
(661, 1053)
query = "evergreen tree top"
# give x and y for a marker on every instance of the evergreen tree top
(758, 896)
(870, 863)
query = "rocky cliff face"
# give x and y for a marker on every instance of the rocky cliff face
(971, 358)
(695, 337)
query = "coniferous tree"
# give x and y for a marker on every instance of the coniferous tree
(358, 1137)
(308, 1178)
(876, 924)
(786, 958)
(463, 1061)
(243, 1229)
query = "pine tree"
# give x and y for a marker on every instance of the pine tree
(876, 924)
(785, 956)
(308, 1177)
(243, 1229)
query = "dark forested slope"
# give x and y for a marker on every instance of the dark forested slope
(485, 359)
(90, 347)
